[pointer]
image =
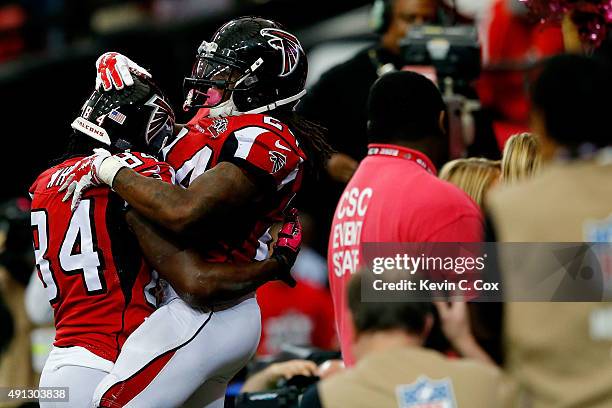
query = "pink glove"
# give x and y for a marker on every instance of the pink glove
(288, 245)
(115, 70)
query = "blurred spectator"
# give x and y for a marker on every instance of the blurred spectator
(16, 251)
(552, 349)
(395, 195)
(476, 176)
(12, 20)
(37, 304)
(394, 369)
(302, 316)
(7, 325)
(120, 16)
(16, 266)
(310, 266)
(173, 10)
(40, 313)
(474, 9)
(585, 24)
(521, 159)
(511, 42)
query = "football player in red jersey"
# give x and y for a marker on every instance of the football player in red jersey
(90, 263)
(238, 165)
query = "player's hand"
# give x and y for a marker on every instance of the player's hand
(115, 70)
(288, 245)
(80, 169)
(85, 175)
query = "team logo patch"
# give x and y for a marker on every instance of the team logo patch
(288, 44)
(161, 117)
(427, 393)
(218, 126)
(598, 230)
(278, 161)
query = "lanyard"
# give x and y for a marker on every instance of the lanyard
(402, 153)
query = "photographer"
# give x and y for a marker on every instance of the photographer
(394, 367)
(338, 100)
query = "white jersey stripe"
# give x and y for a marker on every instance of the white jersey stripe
(246, 137)
(197, 163)
(200, 167)
(291, 176)
(262, 251)
(181, 134)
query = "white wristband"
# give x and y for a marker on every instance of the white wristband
(109, 168)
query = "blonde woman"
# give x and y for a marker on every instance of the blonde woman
(474, 175)
(521, 159)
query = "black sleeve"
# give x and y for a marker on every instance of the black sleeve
(311, 399)
(256, 174)
(314, 105)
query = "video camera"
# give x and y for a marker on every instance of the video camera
(288, 392)
(449, 56)
(453, 51)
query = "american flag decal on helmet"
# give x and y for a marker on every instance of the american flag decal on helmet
(162, 116)
(288, 44)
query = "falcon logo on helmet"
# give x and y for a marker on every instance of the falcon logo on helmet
(288, 44)
(162, 116)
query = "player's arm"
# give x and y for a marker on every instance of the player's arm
(213, 195)
(203, 283)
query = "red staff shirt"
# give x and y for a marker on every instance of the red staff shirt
(394, 196)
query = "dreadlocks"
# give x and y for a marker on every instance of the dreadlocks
(312, 138)
(79, 145)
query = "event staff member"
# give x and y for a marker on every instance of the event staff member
(394, 369)
(395, 195)
(558, 352)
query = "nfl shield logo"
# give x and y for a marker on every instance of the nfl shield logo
(427, 393)
(598, 230)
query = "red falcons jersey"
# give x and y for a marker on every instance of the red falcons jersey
(262, 147)
(89, 262)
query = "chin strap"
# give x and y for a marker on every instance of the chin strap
(228, 108)
(276, 104)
